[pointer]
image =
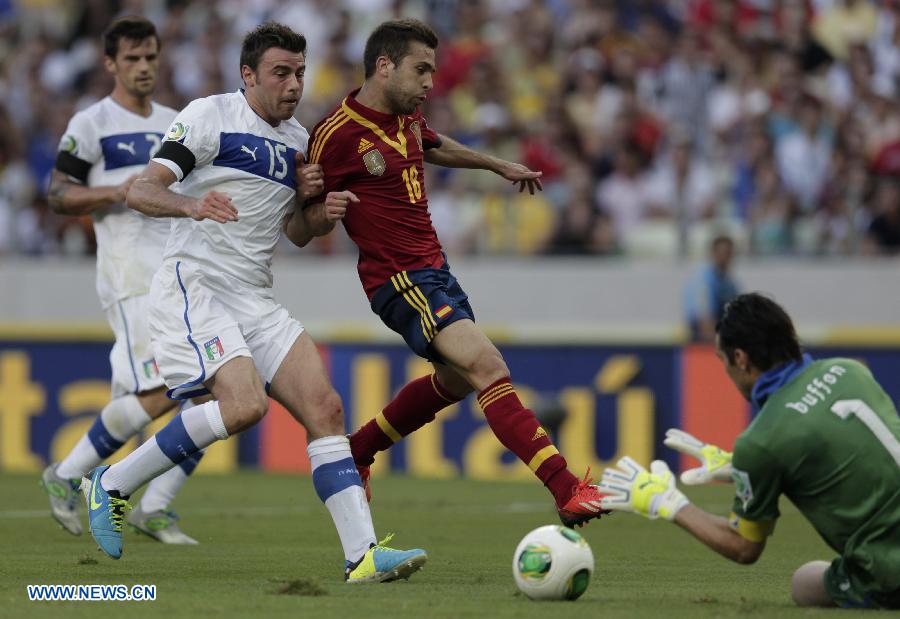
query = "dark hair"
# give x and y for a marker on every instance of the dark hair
(392, 39)
(722, 239)
(131, 27)
(760, 327)
(266, 36)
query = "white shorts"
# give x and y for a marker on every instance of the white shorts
(134, 369)
(198, 322)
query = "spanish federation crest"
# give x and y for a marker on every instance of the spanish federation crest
(417, 131)
(375, 163)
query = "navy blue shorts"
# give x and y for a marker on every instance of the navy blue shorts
(419, 303)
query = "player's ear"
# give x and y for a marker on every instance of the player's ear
(110, 64)
(742, 359)
(383, 66)
(248, 75)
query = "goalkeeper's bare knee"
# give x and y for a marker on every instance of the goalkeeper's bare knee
(808, 585)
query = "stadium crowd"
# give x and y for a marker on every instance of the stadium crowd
(656, 124)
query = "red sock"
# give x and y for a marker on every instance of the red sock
(519, 431)
(415, 405)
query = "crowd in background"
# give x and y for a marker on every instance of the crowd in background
(657, 125)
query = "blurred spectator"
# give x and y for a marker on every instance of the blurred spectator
(683, 189)
(883, 235)
(804, 155)
(709, 290)
(623, 194)
(582, 230)
(771, 212)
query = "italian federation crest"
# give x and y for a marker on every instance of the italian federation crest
(375, 163)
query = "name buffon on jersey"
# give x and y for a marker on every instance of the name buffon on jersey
(818, 389)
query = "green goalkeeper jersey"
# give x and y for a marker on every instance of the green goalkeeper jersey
(828, 437)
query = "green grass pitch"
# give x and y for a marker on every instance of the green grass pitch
(268, 549)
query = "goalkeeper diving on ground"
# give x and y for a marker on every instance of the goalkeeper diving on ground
(824, 434)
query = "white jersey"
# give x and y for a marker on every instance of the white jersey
(230, 149)
(104, 145)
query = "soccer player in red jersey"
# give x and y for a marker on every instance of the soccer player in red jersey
(372, 148)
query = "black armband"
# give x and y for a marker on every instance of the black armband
(179, 154)
(69, 164)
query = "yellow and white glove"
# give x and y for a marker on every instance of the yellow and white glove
(632, 488)
(715, 461)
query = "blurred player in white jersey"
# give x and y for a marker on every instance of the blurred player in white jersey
(103, 149)
(214, 322)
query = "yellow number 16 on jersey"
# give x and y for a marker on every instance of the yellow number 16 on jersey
(413, 186)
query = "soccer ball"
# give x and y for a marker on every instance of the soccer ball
(553, 563)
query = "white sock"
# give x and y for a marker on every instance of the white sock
(119, 420)
(338, 485)
(190, 431)
(162, 490)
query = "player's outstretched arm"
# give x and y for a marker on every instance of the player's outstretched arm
(629, 487)
(452, 154)
(715, 462)
(716, 532)
(150, 195)
(69, 197)
(318, 219)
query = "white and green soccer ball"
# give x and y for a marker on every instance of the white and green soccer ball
(553, 563)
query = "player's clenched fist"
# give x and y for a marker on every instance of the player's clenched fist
(214, 205)
(122, 189)
(336, 203)
(310, 181)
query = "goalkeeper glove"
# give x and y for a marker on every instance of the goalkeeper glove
(715, 462)
(631, 488)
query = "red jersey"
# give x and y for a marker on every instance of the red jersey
(379, 157)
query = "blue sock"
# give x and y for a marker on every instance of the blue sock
(190, 463)
(104, 442)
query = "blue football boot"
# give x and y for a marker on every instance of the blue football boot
(106, 513)
(383, 564)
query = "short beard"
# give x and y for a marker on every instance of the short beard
(397, 106)
(138, 91)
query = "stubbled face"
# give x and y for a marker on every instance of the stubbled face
(277, 83)
(409, 82)
(738, 371)
(136, 65)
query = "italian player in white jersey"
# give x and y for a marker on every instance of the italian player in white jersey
(104, 147)
(214, 322)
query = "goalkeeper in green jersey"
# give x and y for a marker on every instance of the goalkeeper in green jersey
(825, 435)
